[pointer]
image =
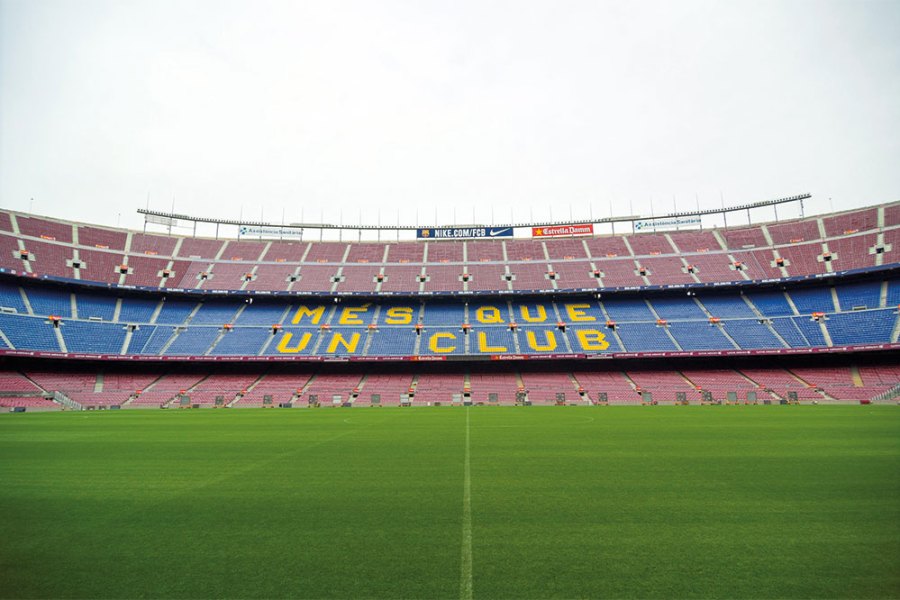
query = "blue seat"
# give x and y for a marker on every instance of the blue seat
(97, 338)
(393, 340)
(862, 327)
(193, 341)
(175, 311)
(49, 301)
(677, 308)
(11, 298)
(644, 337)
(31, 333)
(771, 303)
(859, 295)
(242, 341)
(94, 305)
(810, 300)
(700, 335)
(751, 334)
(215, 313)
(727, 307)
(137, 310)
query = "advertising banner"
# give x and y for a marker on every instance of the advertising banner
(654, 224)
(455, 233)
(167, 221)
(270, 232)
(563, 230)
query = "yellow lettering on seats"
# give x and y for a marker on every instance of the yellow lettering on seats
(435, 338)
(338, 338)
(591, 339)
(549, 341)
(286, 339)
(541, 314)
(488, 314)
(483, 344)
(349, 317)
(399, 315)
(304, 311)
(576, 312)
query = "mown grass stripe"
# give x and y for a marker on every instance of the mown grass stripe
(465, 588)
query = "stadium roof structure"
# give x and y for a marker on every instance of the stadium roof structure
(165, 218)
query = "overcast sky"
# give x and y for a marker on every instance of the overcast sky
(335, 109)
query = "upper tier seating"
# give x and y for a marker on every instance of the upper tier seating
(859, 239)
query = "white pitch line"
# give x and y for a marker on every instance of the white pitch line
(465, 583)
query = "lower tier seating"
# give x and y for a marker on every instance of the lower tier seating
(159, 389)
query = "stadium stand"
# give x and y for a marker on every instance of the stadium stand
(822, 284)
(737, 384)
(18, 391)
(273, 389)
(550, 387)
(781, 383)
(613, 387)
(850, 242)
(332, 389)
(384, 389)
(719, 382)
(209, 326)
(662, 385)
(220, 389)
(163, 389)
(432, 388)
(494, 388)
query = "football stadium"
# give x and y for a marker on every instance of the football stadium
(471, 300)
(491, 319)
(759, 363)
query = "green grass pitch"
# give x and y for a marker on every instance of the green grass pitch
(623, 502)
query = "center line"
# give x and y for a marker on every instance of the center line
(465, 584)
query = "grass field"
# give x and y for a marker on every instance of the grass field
(761, 502)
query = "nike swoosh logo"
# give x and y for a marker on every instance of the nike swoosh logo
(496, 232)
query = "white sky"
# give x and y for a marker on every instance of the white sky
(330, 108)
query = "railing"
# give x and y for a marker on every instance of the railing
(892, 393)
(61, 398)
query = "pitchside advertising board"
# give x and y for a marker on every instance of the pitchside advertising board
(457, 233)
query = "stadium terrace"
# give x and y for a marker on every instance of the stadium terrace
(823, 285)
